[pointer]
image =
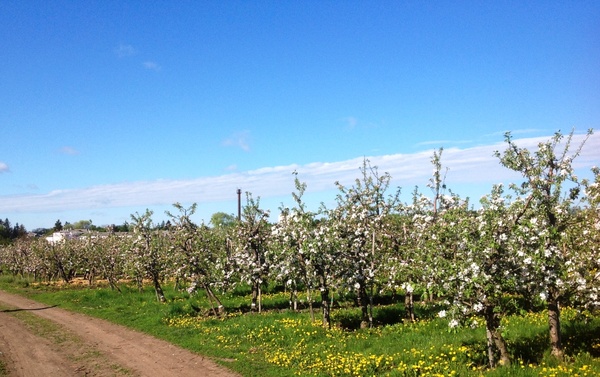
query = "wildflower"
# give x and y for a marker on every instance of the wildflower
(442, 314)
(453, 324)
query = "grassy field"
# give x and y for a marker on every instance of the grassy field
(280, 342)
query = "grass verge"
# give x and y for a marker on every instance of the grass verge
(281, 342)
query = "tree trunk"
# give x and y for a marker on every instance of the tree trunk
(294, 299)
(495, 340)
(371, 304)
(210, 293)
(363, 303)
(409, 305)
(554, 325)
(63, 272)
(139, 281)
(113, 284)
(160, 296)
(325, 307)
(259, 299)
(90, 276)
(253, 306)
(491, 349)
(310, 304)
(501, 345)
(210, 299)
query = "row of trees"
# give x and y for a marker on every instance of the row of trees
(537, 239)
(8, 232)
(86, 225)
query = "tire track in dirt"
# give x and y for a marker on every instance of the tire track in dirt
(26, 354)
(125, 351)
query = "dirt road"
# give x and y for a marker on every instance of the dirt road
(37, 340)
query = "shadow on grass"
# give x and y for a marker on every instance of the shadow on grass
(27, 309)
(577, 337)
(582, 336)
(530, 349)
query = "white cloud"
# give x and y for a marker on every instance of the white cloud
(523, 131)
(69, 150)
(468, 166)
(238, 139)
(351, 122)
(442, 143)
(4, 167)
(152, 66)
(125, 50)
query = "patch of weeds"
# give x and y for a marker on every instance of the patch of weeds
(3, 368)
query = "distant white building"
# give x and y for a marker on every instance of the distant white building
(65, 235)
(58, 237)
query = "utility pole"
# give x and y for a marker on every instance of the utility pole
(239, 194)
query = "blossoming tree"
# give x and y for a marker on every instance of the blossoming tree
(249, 254)
(305, 254)
(358, 223)
(549, 188)
(196, 254)
(148, 252)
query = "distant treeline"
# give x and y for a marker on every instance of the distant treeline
(9, 232)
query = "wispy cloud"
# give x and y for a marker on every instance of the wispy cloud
(523, 131)
(68, 150)
(238, 139)
(26, 187)
(4, 167)
(475, 165)
(152, 66)
(125, 50)
(436, 143)
(351, 122)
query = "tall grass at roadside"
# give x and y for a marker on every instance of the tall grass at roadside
(281, 342)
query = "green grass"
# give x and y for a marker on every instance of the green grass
(280, 342)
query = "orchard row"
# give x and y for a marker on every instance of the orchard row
(537, 239)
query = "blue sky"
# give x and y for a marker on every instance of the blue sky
(108, 108)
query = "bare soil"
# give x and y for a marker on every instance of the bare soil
(37, 340)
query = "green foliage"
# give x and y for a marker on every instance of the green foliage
(222, 219)
(9, 233)
(58, 226)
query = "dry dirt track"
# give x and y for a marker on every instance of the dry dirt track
(83, 346)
